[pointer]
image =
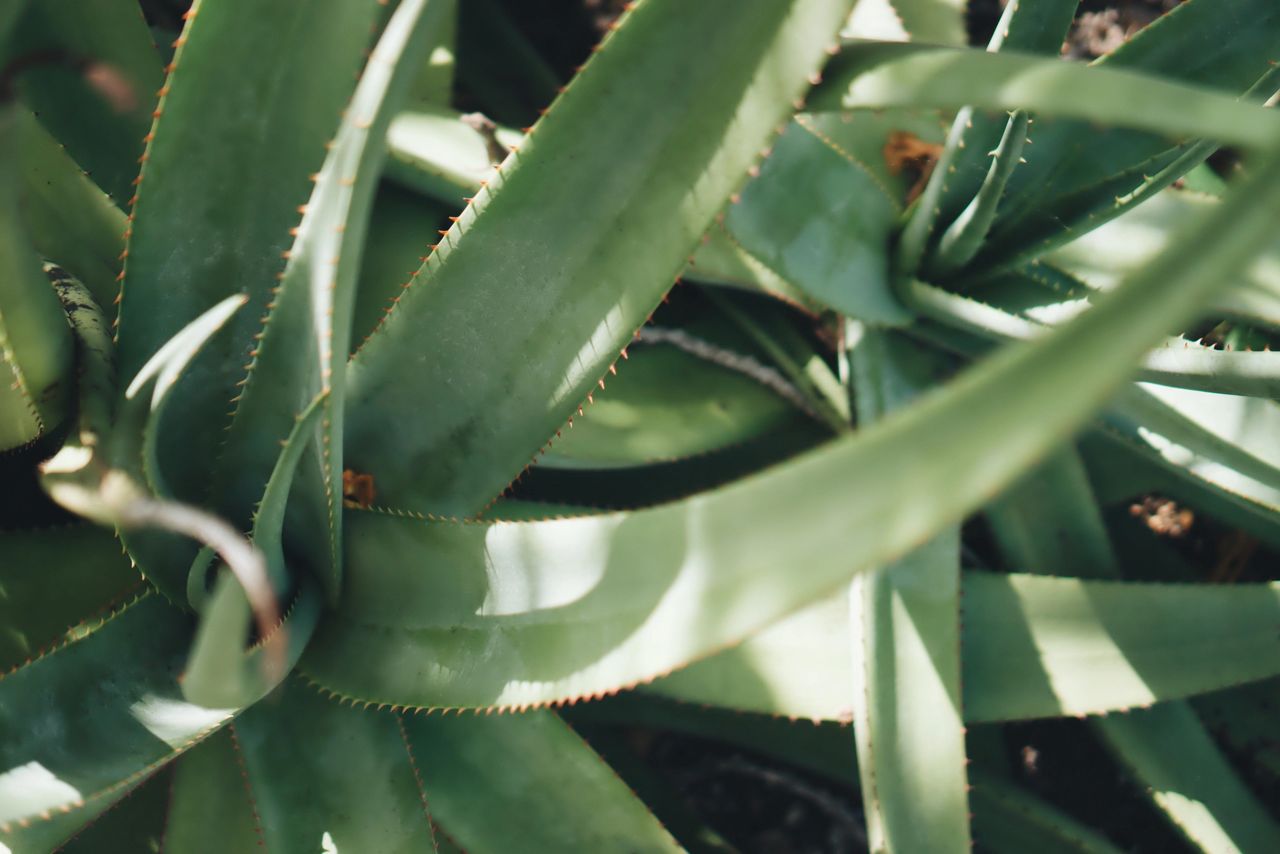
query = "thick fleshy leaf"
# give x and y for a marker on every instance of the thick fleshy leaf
(904, 621)
(69, 220)
(875, 76)
(1189, 777)
(495, 782)
(665, 404)
(399, 226)
(210, 809)
(35, 343)
(87, 721)
(253, 110)
(820, 217)
(135, 823)
(1036, 647)
(1221, 442)
(547, 254)
(1182, 783)
(933, 21)
(790, 669)
(305, 338)
(1075, 173)
(518, 613)
(319, 771)
(1176, 362)
(1023, 27)
(1104, 255)
(53, 580)
(1033, 647)
(434, 151)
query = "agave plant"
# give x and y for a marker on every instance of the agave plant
(301, 588)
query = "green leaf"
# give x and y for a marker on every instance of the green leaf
(791, 669)
(35, 343)
(393, 250)
(88, 720)
(964, 237)
(253, 110)
(721, 260)
(1048, 523)
(1174, 756)
(1106, 254)
(1074, 171)
(433, 151)
(905, 635)
(135, 824)
(1176, 362)
(302, 349)
(433, 84)
(70, 221)
(875, 76)
(210, 808)
(53, 580)
(526, 782)
(1039, 27)
(821, 219)
(97, 93)
(1183, 782)
(933, 21)
(318, 770)
(219, 672)
(521, 613)
(663, 405)
(1220, 441)
(548, 254)
(1033, 647)
(1037, 647)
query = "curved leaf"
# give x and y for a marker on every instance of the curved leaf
(253, 110)
(1032, 647)
(663, 405)
(317, 771)
(35, 343)
(302, 349)
(905, 635)
(70, 221)
(87, 721)
(875, 76)
(51, 580)
(521, 613)
(547, 255)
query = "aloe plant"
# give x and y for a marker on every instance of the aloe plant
(377, 438)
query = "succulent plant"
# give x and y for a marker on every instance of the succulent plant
(301, 588)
